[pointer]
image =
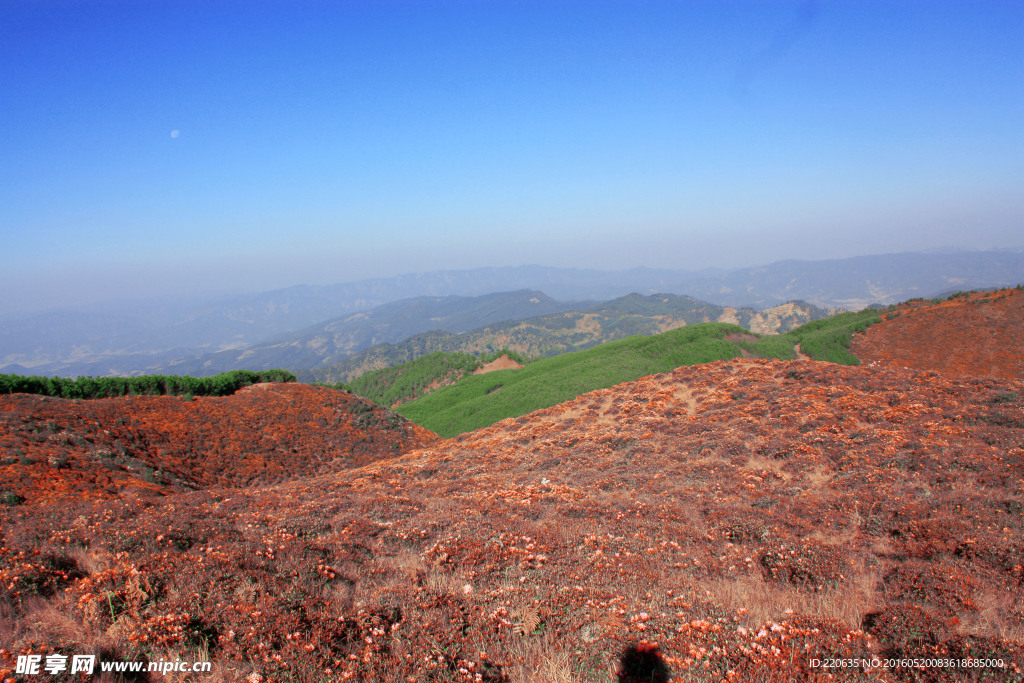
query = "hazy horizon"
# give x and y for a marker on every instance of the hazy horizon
(169, 148)
(205, 296)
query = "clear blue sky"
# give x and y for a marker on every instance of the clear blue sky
(154, 147)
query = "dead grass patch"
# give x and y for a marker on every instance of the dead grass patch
(539, 659)
(759, 601)
(759, 462)
(990, 619)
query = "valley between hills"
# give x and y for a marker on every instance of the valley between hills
(742, 516)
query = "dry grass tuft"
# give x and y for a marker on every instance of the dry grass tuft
(757, 601)
(539, 660)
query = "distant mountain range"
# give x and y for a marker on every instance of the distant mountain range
(855, 283)
(336, 339)
(134, 337)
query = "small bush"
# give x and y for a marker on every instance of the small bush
(10, 498)
(805, 563)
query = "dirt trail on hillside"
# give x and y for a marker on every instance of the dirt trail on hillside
(684, 395)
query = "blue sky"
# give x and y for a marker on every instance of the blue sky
(152, 147)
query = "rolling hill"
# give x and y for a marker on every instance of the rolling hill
(972, 334)
(744, 520)
(966, 334)
(451, 407)
(480, 400)
(402, 383)
(134, 337)
(572, 330)
(154, 446)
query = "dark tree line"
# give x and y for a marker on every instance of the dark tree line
(223, 384)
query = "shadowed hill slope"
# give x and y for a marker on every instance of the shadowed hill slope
(747, 516)
(155, 445)
(979, 334)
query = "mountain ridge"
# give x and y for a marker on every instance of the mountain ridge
(338, 338)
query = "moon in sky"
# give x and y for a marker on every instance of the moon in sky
(175, 133)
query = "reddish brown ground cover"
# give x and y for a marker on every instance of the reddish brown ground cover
(980, 334)
(52, 448)
(744, 517)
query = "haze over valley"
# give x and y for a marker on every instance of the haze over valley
(305, 328)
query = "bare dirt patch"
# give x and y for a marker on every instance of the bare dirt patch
(501, 363)
(741, 338)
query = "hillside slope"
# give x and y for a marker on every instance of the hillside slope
(980, 334)
(553, 334)
(481, 400)
(748, 517)
(405, 382)
(156, 445)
